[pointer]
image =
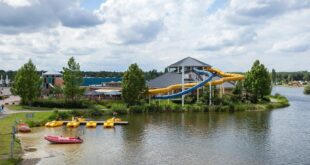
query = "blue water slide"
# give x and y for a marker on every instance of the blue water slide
(210, 76)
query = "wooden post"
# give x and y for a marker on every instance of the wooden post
(12, 143)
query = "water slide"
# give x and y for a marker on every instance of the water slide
(191, 89)
(225, 77)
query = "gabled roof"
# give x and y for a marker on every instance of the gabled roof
(189, 61)
(165, 80)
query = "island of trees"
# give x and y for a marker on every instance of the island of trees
(251, 94)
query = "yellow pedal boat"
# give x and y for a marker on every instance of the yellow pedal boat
(80, 119)
(91, 124)
(54, 124)
(73, 124)
(114, 120)
(108, 124)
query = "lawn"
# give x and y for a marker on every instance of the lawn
(23, 107)
(5, 136)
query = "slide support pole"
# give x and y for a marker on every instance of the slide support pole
(210, 94)
(182, 85)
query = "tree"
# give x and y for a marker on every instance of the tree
(27, 83)
(307, 90)
(133, 85)
(306, 76)
(273, 76)
(257, 82)
(72, 80)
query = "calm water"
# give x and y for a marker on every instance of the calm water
(276, 137)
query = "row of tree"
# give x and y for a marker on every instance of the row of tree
(285, 77)
(27, 82)
(147, 74)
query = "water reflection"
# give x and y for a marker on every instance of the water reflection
(270, 137)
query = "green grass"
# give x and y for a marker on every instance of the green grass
(29, 108)
(5, 137)
(23, 107)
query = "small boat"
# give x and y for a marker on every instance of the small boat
(117, 119)
(54, 124)
(63, 140)
(91, 124)
(114, 120)
(73, 124)
(24, 128)
(80, 119)
(108, 124)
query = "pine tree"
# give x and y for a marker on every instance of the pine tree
(27, 83)
(258, 82)
(72, 80)
(133, 85)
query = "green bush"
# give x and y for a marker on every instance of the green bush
(119, 108)
(32, 123)
(55, 103)
(137, 109)
(153, 107)
(95, 113)
(307, 90)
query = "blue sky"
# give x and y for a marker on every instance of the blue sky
(112, 34)
(91, 4)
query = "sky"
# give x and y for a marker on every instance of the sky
(112, 34)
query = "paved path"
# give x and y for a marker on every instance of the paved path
(16, 99)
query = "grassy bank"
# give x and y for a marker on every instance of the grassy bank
(6, 130)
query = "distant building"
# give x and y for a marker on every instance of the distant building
(102, 81)
(99, 88)
(50, 79)
(5, 82)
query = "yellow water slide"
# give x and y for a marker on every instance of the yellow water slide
(225, 77)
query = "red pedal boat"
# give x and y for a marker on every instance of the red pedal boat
(63, 140)
(23, 128)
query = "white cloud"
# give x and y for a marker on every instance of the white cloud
(156, 33)
(33, 15)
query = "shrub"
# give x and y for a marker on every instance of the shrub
(137, 109)
(33, 123)
(119, 108)
(307, 90)
(153, 107)
(95, 113)
(54, 103)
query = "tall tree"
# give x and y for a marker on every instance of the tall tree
(133, 85)
(72, 80)
(273, 76)
(306, 76)
(258, 82)
(27, 83)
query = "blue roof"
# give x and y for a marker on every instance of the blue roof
(87, 81)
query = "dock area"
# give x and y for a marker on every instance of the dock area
(100, 122)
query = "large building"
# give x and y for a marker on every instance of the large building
(174, 74)
(182, 72)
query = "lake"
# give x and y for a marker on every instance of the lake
(279, 136)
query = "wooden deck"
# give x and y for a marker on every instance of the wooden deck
(101, 122)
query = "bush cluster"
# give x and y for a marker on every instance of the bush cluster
(53, 103)
(307, 90)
